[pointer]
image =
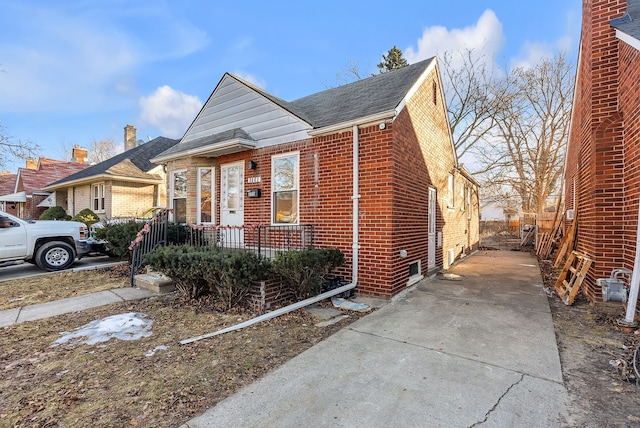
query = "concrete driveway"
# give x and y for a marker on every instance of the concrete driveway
(468, 351)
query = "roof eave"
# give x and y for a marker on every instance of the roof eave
(211, 150)
(100, 177)
(389, 114)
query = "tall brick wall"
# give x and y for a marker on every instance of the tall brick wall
(598, 155)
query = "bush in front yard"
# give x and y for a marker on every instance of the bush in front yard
(87, 217)
(305, 271)
(55, 213)
(227, 275)
(118, 237)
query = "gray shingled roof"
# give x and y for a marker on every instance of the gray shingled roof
(138, 156)
(366, 97)
(362, 98)
(630, 22)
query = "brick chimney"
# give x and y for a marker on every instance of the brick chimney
(32, 163)
(129, 137)
(79, 154)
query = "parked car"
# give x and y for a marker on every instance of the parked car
(51, 244)
(100, 245)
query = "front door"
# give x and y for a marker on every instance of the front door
(431, 257)
(232, 197)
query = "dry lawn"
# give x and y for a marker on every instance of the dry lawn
(56, 286)
(120, 383)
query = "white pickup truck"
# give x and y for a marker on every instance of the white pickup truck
(51, 244)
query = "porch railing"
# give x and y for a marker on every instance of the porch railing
(266, 241)
(152, 235)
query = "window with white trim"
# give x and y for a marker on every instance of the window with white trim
(285, 182)
(97, 197)
(206, 186)
(415, 272)
(179, 195)
(451, 191)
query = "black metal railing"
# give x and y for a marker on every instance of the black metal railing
(266, 241)
(152, 235)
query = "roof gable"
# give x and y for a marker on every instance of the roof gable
(235, 104)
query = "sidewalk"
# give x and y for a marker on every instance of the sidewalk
(478, 350)
(71, 304)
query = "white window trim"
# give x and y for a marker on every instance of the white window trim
(297, 188)
(172, 190)
(418, 277)
(451, 187)
(101, 197)
(199, 195)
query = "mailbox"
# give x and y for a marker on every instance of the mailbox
(254, 193)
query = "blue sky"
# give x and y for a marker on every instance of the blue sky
(72, 72)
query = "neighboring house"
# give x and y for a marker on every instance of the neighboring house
(602, 172)
(7, 185)
(124, 185)
(28, 199)
(371, 165)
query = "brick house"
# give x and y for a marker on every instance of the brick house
(602, 172)
(371, 165)
(7, 186)
(124, 185)
(29, 199)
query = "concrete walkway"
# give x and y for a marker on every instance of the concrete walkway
(478, 350)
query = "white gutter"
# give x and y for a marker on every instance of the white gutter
(362, 121)
(273, 314)
(356, 206)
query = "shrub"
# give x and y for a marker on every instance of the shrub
(118, 237)
(227, 275)
(305, 271)
(87, 217)
(55, 213)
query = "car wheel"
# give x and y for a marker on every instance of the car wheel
(55, 255)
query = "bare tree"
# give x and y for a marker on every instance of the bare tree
(101, 150)
(523, 156)
(470, 82)
(11, 149)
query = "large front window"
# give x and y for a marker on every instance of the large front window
(285, 171)
(98, 197)
(179, 196)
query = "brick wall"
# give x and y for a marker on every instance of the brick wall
(601, 155)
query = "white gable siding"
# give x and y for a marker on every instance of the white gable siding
(234, 105)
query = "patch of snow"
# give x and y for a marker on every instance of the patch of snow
(129, 326)
(152, 352)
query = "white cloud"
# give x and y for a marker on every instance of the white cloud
(485, 38)
(79, 57)
(170, 110)
(532, 52)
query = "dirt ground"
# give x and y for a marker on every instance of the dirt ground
(156, 382)
(597, 359)
(150, 382)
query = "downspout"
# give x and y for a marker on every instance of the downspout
(356, 207)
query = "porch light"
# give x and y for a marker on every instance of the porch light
(252, 164)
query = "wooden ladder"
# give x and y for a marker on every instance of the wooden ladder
(570, 280)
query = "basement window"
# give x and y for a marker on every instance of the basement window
(415, 272)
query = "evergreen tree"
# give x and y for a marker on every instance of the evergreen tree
(393, 60)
